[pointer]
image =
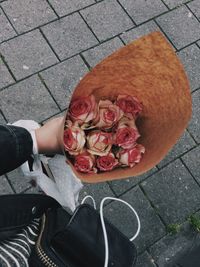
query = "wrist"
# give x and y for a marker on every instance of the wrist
(49, 137)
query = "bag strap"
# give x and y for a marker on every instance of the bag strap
(103, 222)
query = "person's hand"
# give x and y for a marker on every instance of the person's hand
(49, 137)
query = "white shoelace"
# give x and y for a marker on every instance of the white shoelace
(103, 222)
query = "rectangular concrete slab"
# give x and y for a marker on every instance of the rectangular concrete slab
(28, 99)
(2, 120)
(69, 36)
(5, 187)
(173, 192)
(170, 248)
(145, 260)
(195, 7)
(6, 29)
(143, 10)
(97, 191)
(27, 54)
(174, 3)
(121, 186)
(19, 182)
(194, 125)
(192, 161)
(121, 216)
(107, 19)
(64, 7)
(94, 55)
(62, 79)
(5, 76)
(139, 31)
(184, 144)
(180, 26)
(27, 14)
(190, 57)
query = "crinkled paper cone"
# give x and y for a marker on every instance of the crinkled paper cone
(148, 69)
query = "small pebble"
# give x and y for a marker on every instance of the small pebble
(25, 67)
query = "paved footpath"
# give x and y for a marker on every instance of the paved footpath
(46, 46)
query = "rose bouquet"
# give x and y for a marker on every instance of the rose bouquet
(99, 130)
(101, 136)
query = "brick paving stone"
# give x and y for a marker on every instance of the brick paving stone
(5, 187)
(62, 79)
(180, 26)
(107, 19)
(96, 54)
(27, 54)
(192, 161)
(2, 120)
(194, 125)
(195, 7)
(139, 31)
(184, 144)
(97, 191)
(173, 192)
(6, 30)
(143, 10)
(33, 190)
(33, 14)
(121, 216)
(190, 57)
(5, 76)
(145, 260)
(120, 186)
(64, 7)
(174, 3)
(18, 181)
(171, 247)
(28, 99)
(69, 36)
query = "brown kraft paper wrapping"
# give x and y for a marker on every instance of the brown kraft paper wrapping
(148, 69)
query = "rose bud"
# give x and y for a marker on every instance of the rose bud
(126, 134)
(83, 110)
(129, 105)
(108, 114)
(74, 138)
(85, 163)
(107, 163)
(99, 143)
(132, 156)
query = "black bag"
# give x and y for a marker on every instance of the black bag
(65, 240)
(77, 241)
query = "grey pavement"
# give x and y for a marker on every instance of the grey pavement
(47, 46)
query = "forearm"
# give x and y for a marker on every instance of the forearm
(16, 143)
(15, 147)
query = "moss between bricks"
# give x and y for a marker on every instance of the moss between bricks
(194, 220)
(173, 228)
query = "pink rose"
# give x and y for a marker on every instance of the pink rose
(85, 163)
(129, 157)
(74, 138)
(126, 134)
(130, 105)
(83, 110)
(108, 114)
(99, 143)
(107, 163)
